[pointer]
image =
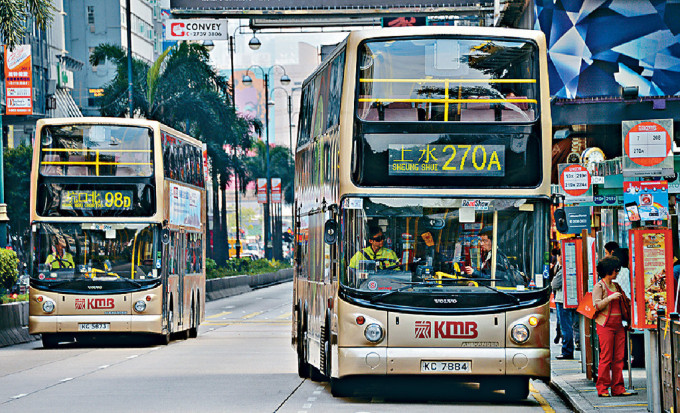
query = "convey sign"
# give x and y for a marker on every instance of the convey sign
(575, 180)
(196, 29)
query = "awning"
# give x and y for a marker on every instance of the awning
(66, 106)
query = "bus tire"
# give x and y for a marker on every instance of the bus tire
(326, 350)
(517, 388)
(50, 340)
(339, 388)
(303, 366)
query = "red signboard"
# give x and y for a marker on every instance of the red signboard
(575, 180)
(647, 144)
(18, 80)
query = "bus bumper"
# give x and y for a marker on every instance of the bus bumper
(113, 323)
(529, 362)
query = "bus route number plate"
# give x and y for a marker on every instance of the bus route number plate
(94, 326)
(445, 366)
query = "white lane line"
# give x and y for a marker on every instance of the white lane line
(317, 392)
(311, 399)
(66, 379)
(18, 396)
(307, 406)
(104, 366)
(133, 356)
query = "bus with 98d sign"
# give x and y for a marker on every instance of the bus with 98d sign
(422, 209)
(117, 230)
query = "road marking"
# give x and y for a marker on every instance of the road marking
(311, 399)
(18, 396)
(251, 315)
(133, 356)
(219, 314)
(287, 315)
(104, 366)
(540, 399)
(307, 406)
(317, 392)
(622, 405)
(65, 380)
(235, 322)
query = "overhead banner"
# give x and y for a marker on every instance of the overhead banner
(18, 80)
(196, 29)
(261, 190)
(276, 190)
(310, 8)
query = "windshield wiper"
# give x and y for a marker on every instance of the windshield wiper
(133, 282)
(400, 289)
(517, 300)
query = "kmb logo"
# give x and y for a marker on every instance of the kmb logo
(446, 329)
(94, 303)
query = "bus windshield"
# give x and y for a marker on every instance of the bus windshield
(95, 251)
(95, 150)
(441, 245)
(448, 79)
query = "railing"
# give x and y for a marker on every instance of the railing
(95, 161)
(446, 100)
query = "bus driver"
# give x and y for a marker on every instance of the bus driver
(384, 257)
(59, 258)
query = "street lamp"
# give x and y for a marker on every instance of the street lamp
(247, 80)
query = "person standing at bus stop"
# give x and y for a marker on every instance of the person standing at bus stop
(612, 306)
(384, 257)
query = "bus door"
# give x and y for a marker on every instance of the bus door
(165, 267)
(182, 263)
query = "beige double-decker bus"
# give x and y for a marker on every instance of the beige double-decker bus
(422, 209)
(117, 230)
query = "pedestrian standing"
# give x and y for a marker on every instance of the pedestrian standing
(565, 318)
(555, 266)
(612, 306)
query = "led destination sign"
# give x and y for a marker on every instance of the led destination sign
(447, 160)
(96, 200)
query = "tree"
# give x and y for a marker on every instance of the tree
(15, 15)
(182, 90)
(17, 167)
(280, 166)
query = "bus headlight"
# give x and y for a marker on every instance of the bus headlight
(373, 333)
(48, 306)
(140, 306)
(520, 334)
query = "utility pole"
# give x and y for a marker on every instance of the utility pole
(128, 17)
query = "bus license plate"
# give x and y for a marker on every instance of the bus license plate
(445, 366)
(94, 326)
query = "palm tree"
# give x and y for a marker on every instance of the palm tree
(15, 14)
(182, 90)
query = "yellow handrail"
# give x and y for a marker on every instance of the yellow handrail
(447, 80)
(439, 275)
(446, 100)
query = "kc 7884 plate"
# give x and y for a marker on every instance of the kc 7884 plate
(445, 366)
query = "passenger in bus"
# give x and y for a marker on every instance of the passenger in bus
(384, 257)
(504, 270)
(59, 258)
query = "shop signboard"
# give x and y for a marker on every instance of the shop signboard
(647, 147)
(261, 190)
(196, 29)
(575, 181)
(646, 200)
(653, 284)
(18, 80)
(578, 218)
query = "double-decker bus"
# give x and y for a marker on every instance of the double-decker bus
(117, 230)
(422, 209)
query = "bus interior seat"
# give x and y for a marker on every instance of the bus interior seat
(52, 169)
(398, 111)
(477, 112)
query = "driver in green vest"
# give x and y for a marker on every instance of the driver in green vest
(384, 257)
(59, 258)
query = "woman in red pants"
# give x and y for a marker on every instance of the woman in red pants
(612, 306)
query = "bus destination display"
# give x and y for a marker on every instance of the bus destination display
(96, 200)
(447, 160)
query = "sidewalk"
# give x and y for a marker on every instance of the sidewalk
(571, 382)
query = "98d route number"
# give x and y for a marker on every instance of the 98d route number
(445, 366)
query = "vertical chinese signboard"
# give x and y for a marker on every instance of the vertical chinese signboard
(261, 190)
(653, 283)
(572, 268)
(276, 190)
(18, 80)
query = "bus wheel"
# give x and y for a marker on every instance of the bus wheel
(50, 340)
(517, 388)
(339, 388)
(326, 350)
(303, 366)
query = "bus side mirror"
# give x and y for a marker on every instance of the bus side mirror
(330, 232)
(165, 236)
(561, 220)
